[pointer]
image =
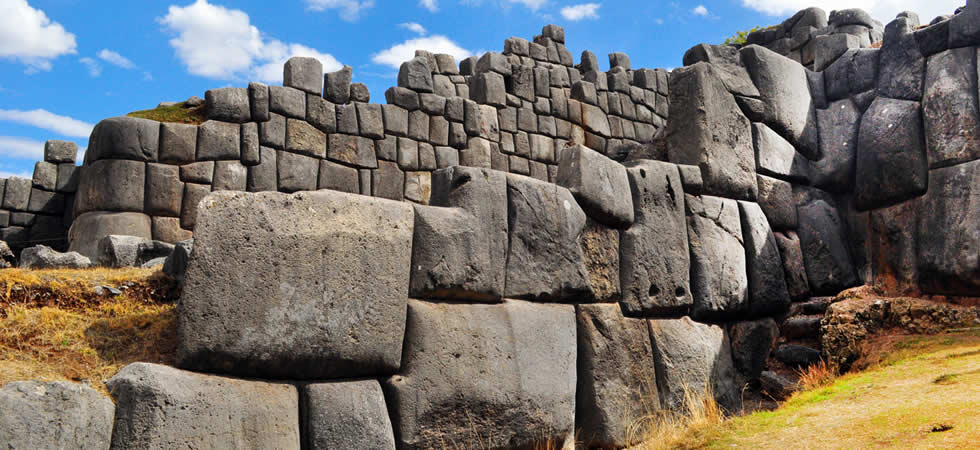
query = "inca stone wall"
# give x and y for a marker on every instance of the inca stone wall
(570, 257)
(38, 211)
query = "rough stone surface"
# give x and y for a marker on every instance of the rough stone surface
(303, 138)
(60, 151)
(783, 86)
(88, 229)
(691, 355)
(902, 66)
(718, 277)
(948, 234)
(416, 75)
(597, 182)
(43, 257)
(793, 268)
(176, 263)
(54, 415)
(949, 108)
(654, 257)
(219, 141)
(617, 382)
(346, 414)
(162, 407)
(342, 317)
(130, 251)
(125, 193)
(829, 267)
(336, 85)
(891, 155)
(751, 344)
(767, 294)
(777, 157)
(499, 374)
(304, 73)
(228, 105)
(124, 138)
(776, 200)
(297, 172)
(839, 126)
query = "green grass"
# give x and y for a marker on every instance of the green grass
(178, 113)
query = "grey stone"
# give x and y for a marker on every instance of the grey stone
(776, 157)
(67, 177)
(839, 126)
(617, 381)
(17, 194)
(597, 182)
(228, 105)
(619, 60)
(264, 176)
(793, 268)
(159, 406)
(585, 91)
(124, 193)
(751, 344)
(193, 194)
(521, 82)
(902, 66)
(418, 125)
(43, 257)
(408, 154)
(167, 229)
(447, 64)
(387, 148)
(303, 138)
(304, 73)
(964, 28)
(352, 150)
(258, 99)
(199, 172)
(297, 172)
(514, 362)
(767, 294)
(776, 200)
(60, 151)
(418, 186)
(829, 47)
(718, 265)
(22, 219)
(446, 157)
(219, 140)
(797, 356)
(388, 181)
(338, 177)
(853, 16)
(336, 85)
(948, 236)
(542, 148)
(362, 295)
(89, 228)
(708, 130)
(347, 119)
(321, 114)
(691, 356)
(416, 75)
(492, 62)
(287, 101)
(715, 54)
(45, 175)
(691, 179)
(432, 104)
(438, 130)
(545, 260)
(829, 268)
(163, 191)
(178, 143)
(273, 132)
(370, 119)
(949, 107)
(346, 414)
(54, 415)
(933, 38)
(176, 263)
(404, 97)
(124, 138)
(395, 120)
(130, 251)
(488, 88)
(517, 46)
(251, 154)
(229, 176)
(891, 155)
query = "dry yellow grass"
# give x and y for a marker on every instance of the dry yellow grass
(678, 430)
(816, 376)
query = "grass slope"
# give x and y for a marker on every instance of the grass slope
(178, 113)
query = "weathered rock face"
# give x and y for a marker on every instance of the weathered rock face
(893, 253)
(655, 262)
(346, 414)
(891, 156)
(948, 233)
(793, 268)
(44, 257)
(839, 125)
(949, 107)
(751, 344)
(159, 406)
(776, 157)
(776, 201)
(90, 228)
(54, 415)
(768, 295)
(131, 251)
(597, 182)
(718, 277)
(829, 268)
(499, 374)
(617, 382)
(695, 356)
(707, 129)
(544, 260)
(327, 306)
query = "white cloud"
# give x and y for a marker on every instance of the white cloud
(405, 51)
(349, 10)
(883, 10)
(20, 148)
(580, 12)
(413, 27)
(431, 5)
(28, 36)
(116, 59)
(700, 10)
(220, 43)
(63, 125)
(93, 66)
(147, 76)
(534, 5)
(5, 174)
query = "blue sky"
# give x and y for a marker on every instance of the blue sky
(66, 64)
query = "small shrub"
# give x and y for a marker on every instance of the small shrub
(816, 376)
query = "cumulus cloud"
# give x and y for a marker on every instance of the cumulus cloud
(28, 36)
(63, 125)
(93, 66)
(431, 5)
(883, 10)
(581, 12)
(215, 42)
(20, 148)
(700, 10)
(115, 59)
(534, 5)
(413, 27)
(405, 51)
(349, 10)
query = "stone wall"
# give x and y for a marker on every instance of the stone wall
(38, 211)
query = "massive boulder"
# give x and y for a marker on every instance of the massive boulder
(892, 248)
(829, 268)
(891, 155)
(949, 107)
(502, 375)
(598, 183)
(768, 294)
(776, 200)
(949, 231)
(655, 262)
(718, 277)
(44, 257)
(315, 284)
(902, 65)
(131, 251)
(693, 358)
(707, 129)
(88, 229)
(617, 382)
(345, 414)
(751, 344)
(793, 267)
(776, 157)
(162, 407)
(54, 415)
(839, 125)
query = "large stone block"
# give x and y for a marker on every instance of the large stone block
(902, 65)
(287, 101)
(708, 130)
(193, 194)
(304, 73)
(617, 382)
(768, 294)
(297, 172)
(352, 150)
(336, 85)
(54, 415)
(598, 183)
(163, 191)
(46, 202)
(776, 157)
(45, 175)
(130, 251)
(265, 175)
(718, 277)
(346, 414)
(793, 268)
(416, 75)
(894, 268)
(44, 257)
(60, 151)
(891, 155)
(460, 244)
(331, 305)
(219, 141)
(829, 267)
(17, 194)
(544, 260)
(776, 200)
(839, 125)
(162, 407)
(751, 344)
(949, 108)
(303, 138)
(229, 176)
(783, 87)
(338, 177)
(503, 375)
(655, 262)
(68, 177)
(949, 231)
(964, 28)
(695, 357)
(227, 104)
(178, 143)
(124, 138)
(88, 229)
(123, 193)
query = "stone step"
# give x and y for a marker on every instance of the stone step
(815, 305)
(776, 385)
(797, 356)
(796, 327)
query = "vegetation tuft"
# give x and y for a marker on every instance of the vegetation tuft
(179, 113)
